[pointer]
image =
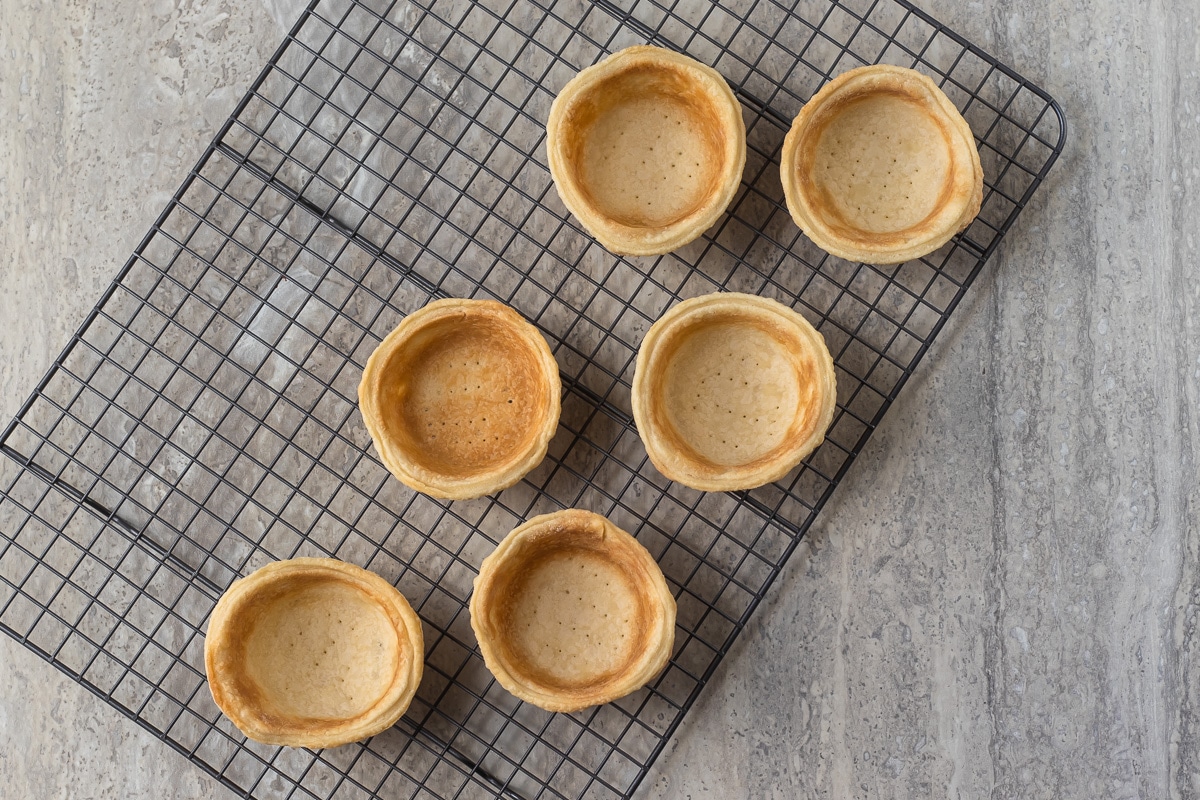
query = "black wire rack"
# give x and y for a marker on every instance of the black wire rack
(203, 420)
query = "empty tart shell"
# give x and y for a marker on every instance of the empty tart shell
(461, 399)
(313, 652)
(570, 611)
(880, 167)
(646, 148)
(732, 391)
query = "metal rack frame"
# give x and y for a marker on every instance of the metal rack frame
(203, 419)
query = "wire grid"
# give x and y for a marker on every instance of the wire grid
(203, 421)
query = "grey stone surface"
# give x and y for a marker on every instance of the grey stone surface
(1000, 601)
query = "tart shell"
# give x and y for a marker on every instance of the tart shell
(732, 391)
(571, 611)
(880, 167)
(313, 652)
(647, 149)
(461, 399)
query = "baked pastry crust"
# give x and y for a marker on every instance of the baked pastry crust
(461, 399)
(880, 167)
(570, 611)
(647, 149)
(732, 391)
(313, 652)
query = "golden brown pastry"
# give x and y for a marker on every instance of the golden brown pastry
(880, 167)
(461, 399)
(571, 611)
(646, 148)
(732, 391)
(313, 652)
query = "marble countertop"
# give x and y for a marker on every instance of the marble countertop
(1001, 599)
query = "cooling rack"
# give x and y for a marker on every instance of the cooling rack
(203, 421)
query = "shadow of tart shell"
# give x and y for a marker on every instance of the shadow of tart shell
(313, 652)
(647, 149)
(461, 399)
(732, 391)
(571, 611)
(880, 167)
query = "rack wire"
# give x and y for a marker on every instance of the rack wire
(203, 421)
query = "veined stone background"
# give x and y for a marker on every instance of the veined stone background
(1001, 598)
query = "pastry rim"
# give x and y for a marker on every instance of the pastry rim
(223, 677)
(633, 240)
(637, 672)
(964, 184)
(408, 469)
(656, 434)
